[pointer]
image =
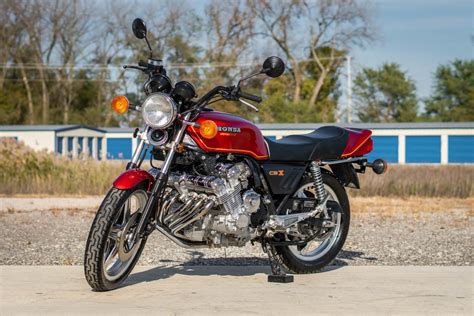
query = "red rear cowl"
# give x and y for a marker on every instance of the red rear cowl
(358, 144)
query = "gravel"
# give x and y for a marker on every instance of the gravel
(49, 231)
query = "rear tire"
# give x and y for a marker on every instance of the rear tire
(99, 240)
(298, 263)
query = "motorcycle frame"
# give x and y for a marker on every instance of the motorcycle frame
(155, 184)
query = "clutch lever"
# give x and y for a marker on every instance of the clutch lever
(250, 105)
(233, 96)
(134, 67)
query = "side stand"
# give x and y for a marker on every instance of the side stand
(278, 275)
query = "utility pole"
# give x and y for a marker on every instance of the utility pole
(349, 90)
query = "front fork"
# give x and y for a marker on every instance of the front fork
(137, 154)
(160, 179)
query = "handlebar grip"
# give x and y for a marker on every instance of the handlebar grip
(142, 63)
(250, 97)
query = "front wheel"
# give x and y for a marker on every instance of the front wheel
(317, 254)
(110, 253)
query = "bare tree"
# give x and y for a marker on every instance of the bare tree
(40, 22)
(15, 49)
(228, 27)
(296, 25)
(74, 23)
(278, 22)
(337, 24)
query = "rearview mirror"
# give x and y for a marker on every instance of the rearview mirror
(273, 67)
(139, 28)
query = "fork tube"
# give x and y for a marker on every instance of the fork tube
(138, 151)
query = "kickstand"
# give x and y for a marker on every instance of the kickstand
(278, 274)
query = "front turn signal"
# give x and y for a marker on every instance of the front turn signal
(208, 129)
(120, 104)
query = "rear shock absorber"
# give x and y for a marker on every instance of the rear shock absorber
(321, 193)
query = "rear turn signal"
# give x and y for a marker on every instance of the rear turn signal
(120, 104)
(208, 129)
(379, 166)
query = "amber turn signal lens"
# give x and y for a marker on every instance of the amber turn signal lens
(208, 129)
(120, 104)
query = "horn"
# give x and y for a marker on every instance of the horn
(157, 137)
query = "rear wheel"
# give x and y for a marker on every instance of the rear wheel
(319, 253)
(110, 252)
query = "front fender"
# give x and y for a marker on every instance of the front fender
(133, 177)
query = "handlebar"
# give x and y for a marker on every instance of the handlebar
(248, 96)
(149, 67)
(142, 63)
(231, 94)
(134, 67)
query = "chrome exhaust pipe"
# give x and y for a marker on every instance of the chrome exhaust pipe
(179, 212)
(189, 214)
(177, 240)
(204, 211)
(164, 200)
(167, 205)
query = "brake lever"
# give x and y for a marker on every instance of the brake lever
(250, 105)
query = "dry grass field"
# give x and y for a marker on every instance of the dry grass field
(24, 171)
(419, 180)
(412, 215)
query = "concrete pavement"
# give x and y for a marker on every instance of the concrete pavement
(240, 290)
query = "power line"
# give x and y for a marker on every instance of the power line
(168, 66)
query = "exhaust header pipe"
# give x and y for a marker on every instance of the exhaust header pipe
(379, 166)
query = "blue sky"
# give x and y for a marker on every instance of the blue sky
(420, 35)
(417, 34)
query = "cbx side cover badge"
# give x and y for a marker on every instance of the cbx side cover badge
(283, 178)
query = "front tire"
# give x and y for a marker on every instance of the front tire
(109, 256)
(293, 257)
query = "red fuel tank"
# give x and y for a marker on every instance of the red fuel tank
(234, 135)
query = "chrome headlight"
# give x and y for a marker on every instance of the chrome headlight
(159, 110)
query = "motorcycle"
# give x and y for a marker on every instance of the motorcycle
(222, 184)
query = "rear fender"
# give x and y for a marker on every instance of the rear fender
(346, 173)
(133, 177)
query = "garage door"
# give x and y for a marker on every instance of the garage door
(423, 149)
(385, 147)
(461, 149)
(119, 148)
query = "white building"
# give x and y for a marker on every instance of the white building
(434, 143)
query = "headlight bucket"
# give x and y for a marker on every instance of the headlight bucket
(159, 110)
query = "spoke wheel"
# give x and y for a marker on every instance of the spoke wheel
(317, 248)
(110, 252)
(318, 253)
(120, 250)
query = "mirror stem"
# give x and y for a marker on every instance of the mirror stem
(248, 77)
(149, 47)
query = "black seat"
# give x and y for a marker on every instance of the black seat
(327, 142)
